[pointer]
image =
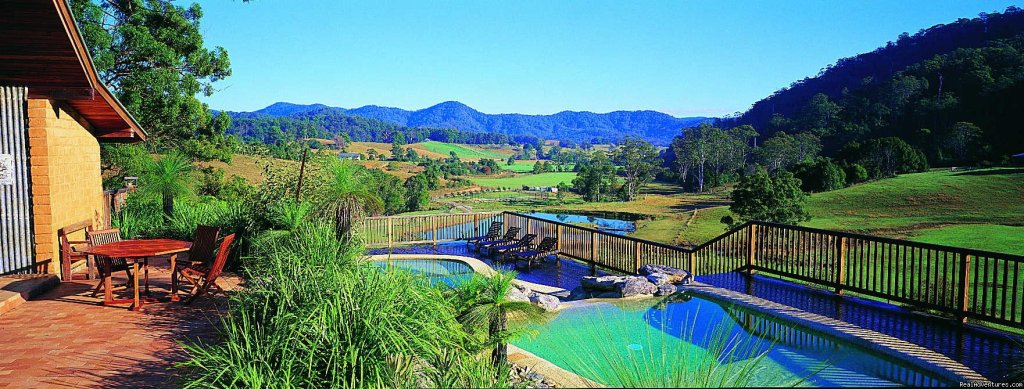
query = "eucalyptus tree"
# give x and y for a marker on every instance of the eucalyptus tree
(640, 164)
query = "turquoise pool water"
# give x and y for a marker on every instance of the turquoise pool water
(683, 335)
(433, 270)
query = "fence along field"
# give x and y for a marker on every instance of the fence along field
(965, 283)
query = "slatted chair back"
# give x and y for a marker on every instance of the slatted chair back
(204, 244)
(526, 240)
(511, 233)
(68, 254)
(547, 245)
(101, 237)
(494, 231)
(222, 258)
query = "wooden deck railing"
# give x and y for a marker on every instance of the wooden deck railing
(966, 283)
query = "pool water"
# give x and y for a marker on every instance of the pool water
(686, 336)
(433, 270)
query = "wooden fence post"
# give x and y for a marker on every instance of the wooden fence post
(692, 258)
(751, 247)
(636, 252)
(558, 235)
(476, 224)
(965, 282)
(391, 231)
(593, 253)
(841, 263)
(433, 228)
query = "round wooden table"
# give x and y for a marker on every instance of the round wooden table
(134, 252)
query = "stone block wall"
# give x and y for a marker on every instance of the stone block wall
(65, 167)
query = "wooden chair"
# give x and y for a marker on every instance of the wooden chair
(510, 235)
(100, 237)
(547, 247)
(503, 250)
(204, 245)
(203, 277)
(70, 258)
(492, 233)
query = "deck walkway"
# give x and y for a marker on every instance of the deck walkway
(65, 338)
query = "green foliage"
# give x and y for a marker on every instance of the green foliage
(168, 177)
(820, 175)
(640, 164)
(486, 304)
(313, 315)
(152, 54)
(417, 192)
(856, 173)
(768, 198)
(887, 157)
(708, 153)
(595, 179)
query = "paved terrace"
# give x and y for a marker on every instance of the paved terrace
(986, 351)
(66, 338)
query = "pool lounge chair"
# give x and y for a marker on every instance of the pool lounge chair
(547, 247)
(510, 236)
(503, 250)
(493, 232)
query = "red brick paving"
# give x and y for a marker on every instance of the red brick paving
(66, 338)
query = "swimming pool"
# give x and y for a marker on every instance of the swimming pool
(447, 271)
(687, 337)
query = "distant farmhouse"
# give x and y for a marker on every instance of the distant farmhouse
(350, 156)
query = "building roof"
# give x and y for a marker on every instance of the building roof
(42, 49)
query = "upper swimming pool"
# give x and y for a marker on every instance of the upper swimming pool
(611, 342)
(446, 271)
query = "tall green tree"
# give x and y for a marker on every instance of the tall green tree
(640, 164)
(151, 53)
(397, 141)
(595, 178)
(770, 198)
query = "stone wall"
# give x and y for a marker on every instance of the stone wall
(66, 182)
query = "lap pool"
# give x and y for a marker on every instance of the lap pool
(685, 337)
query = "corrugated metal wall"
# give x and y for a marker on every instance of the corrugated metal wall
(16, 248)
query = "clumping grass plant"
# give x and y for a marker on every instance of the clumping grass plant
(315, 315)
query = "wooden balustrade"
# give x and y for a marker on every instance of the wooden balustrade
(967, 284)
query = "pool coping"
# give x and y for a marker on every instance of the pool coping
(872, 340)
(551, 372)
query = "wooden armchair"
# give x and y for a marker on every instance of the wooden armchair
(71, 258)
(204, 245)
(203, 277)
(101, 237)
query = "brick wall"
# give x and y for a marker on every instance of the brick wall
(66, 182)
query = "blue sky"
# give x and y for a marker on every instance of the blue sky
(685, 58)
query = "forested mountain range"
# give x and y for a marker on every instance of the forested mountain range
(656, 127)
(955, 91)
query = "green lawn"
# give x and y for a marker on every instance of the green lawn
(981, 209)
(543, 179)
(463, 151)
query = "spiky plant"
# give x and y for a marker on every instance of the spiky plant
(348, 196)
(168, 177)
(488, 304)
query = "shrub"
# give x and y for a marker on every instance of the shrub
(820, 175)
(763, 197)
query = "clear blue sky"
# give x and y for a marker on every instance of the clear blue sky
(685, 58)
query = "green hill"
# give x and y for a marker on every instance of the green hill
(982, 209)
(462, 151)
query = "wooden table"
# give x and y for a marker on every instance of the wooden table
(134, 252)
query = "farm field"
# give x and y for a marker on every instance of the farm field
(467, 152)
(543, 179)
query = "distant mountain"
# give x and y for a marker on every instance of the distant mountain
(656, 127)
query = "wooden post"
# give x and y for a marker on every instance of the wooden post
(302, 170)
(965, 283)
(433, 229)
(391, 231)
(558, 235)
(751, 247)
(841, 263)
(693, 262)
(636, 252)
(593, 253)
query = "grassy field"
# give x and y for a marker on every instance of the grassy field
(543, 179)
(982, 209)
(247, 166)
(467, 152)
